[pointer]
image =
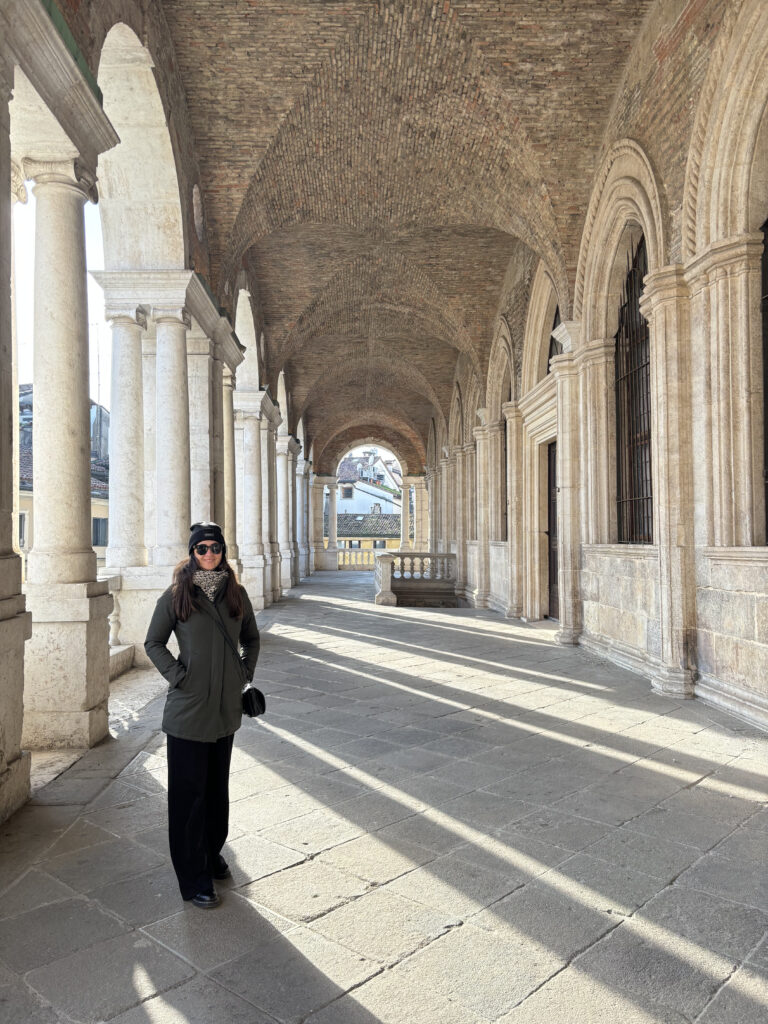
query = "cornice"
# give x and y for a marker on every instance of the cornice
(740, 254)
(36, 45)
(164, 289)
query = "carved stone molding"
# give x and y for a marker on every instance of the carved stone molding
(18, 188)
(75, 173)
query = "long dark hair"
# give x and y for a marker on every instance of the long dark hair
(183, 590)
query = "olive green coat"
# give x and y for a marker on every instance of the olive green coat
(206, 680)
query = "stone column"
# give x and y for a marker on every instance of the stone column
(313, 495)
(302, 469)
(171, 437)
(496, 495)
(201, 426)
(421, 526)
(230, 476)
(432, 490)
(149, 389)
(15, 621)
(405, 515)
(318, 503)
(445, 541)
(252, 548)
(284, 512)
(460, 516)
(470, 476)
(483, 513)
(126, 441)
(728, 401)
(67, 666)
(294, 447)
(18, 194)
(269, 509)
(217, 437)
(514, 427)
(598, 447)
(565, 369)
(665, 305)
(333, 537)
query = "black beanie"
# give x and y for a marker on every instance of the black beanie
(206, 531)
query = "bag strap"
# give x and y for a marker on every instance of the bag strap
(214, 613)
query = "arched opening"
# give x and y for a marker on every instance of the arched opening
(248, 373)
(138, 185)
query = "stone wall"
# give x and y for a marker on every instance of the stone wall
(619, 585)
(498, 598)
(732, 633)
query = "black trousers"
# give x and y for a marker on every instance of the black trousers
(198, 809)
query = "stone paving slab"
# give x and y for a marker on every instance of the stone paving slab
(122, 972)
(444, 818)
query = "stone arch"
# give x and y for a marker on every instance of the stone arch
(362, 368)
(391, 432)
(456, 420)
(726, 186)
(141, 209)
(248, 374)
(626, 198)
(283, 402)
(502, 380)
(472, 406)
(538, 327)
(432, 445)
(372, 439)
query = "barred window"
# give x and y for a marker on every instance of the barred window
(633, 409)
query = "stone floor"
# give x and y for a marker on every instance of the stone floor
(445, 818)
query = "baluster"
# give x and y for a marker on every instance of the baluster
(114, 623)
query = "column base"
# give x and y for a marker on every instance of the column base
(327, 559)
(386, 599)
(14, 785)
(673, 682)
(54, 730)
(567, 636)
(254, 578)
(304, 569)
(277, 559)
(295, 571)
(51, 566)
(67, 665)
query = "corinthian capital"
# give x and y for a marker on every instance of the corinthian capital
(65, 172)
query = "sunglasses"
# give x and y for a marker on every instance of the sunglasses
(202, 549)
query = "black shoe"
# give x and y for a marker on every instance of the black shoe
(205, 900)
(221, 869)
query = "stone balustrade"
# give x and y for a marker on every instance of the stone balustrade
(416, 578)
(356, 558)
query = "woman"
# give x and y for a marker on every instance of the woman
(212, 618)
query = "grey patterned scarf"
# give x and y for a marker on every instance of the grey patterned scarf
(210, 581)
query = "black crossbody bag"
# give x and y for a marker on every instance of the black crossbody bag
(254, 701)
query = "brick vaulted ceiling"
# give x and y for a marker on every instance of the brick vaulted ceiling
(375, 167)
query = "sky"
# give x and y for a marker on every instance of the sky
(98, 330)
